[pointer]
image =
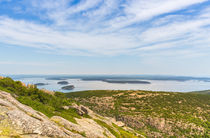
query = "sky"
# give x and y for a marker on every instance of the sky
(165, 37)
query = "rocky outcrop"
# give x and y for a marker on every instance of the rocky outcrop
(19, 120)
(86, 127)
(131, 121)
(81, 110)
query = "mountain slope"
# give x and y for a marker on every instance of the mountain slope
(157, 114)
(26, 111)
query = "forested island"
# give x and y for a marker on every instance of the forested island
(69, 87)
(63, 82)
(40, 84)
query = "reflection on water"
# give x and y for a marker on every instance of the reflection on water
(156, 85)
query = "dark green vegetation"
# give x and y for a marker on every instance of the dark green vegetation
(63, 82)
(201, 92)
(120, 133)
(40, 84)
(50, 105)
(101, 123)
(160, 114)
(69, 87)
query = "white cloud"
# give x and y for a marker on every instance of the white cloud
(24, 33)
(141, 10)
(99, 29)
(180, 33)
(27, 63)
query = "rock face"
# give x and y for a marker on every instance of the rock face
(18, 120)
(86, 126)
(82, 110)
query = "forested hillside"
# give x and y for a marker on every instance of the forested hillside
(153, 113)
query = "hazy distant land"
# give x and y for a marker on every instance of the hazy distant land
(127, 81)
(118, 82)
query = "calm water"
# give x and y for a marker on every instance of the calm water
(156, 85)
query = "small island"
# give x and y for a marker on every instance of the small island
(41, 84)
(63, 82)
(69, 87)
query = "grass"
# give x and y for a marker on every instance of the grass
(81, 133)
(120, 133)
(103, 124)
(123, 133)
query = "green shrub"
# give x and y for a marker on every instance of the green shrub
(103, 124)
(50, 105)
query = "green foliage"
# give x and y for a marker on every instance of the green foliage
(103, 124)
(97, 93)
(120, 133)
(50, 105)
(123, 133)
(186, 108)
(201, 92)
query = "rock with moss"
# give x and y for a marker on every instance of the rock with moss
(17, 119)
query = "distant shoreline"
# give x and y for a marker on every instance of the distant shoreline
(117, 83)
(127, 81)
(116, 77)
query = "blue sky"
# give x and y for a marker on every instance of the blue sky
(105, 37)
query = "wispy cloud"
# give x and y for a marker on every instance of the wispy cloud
(28, 34)
(140, 10)
(26, 63)
(111, 27)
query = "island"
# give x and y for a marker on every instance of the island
(69, 87)
(63, 82)
(41, 84)
(127, 81)
(55, 78)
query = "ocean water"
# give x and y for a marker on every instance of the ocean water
(156, 85)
